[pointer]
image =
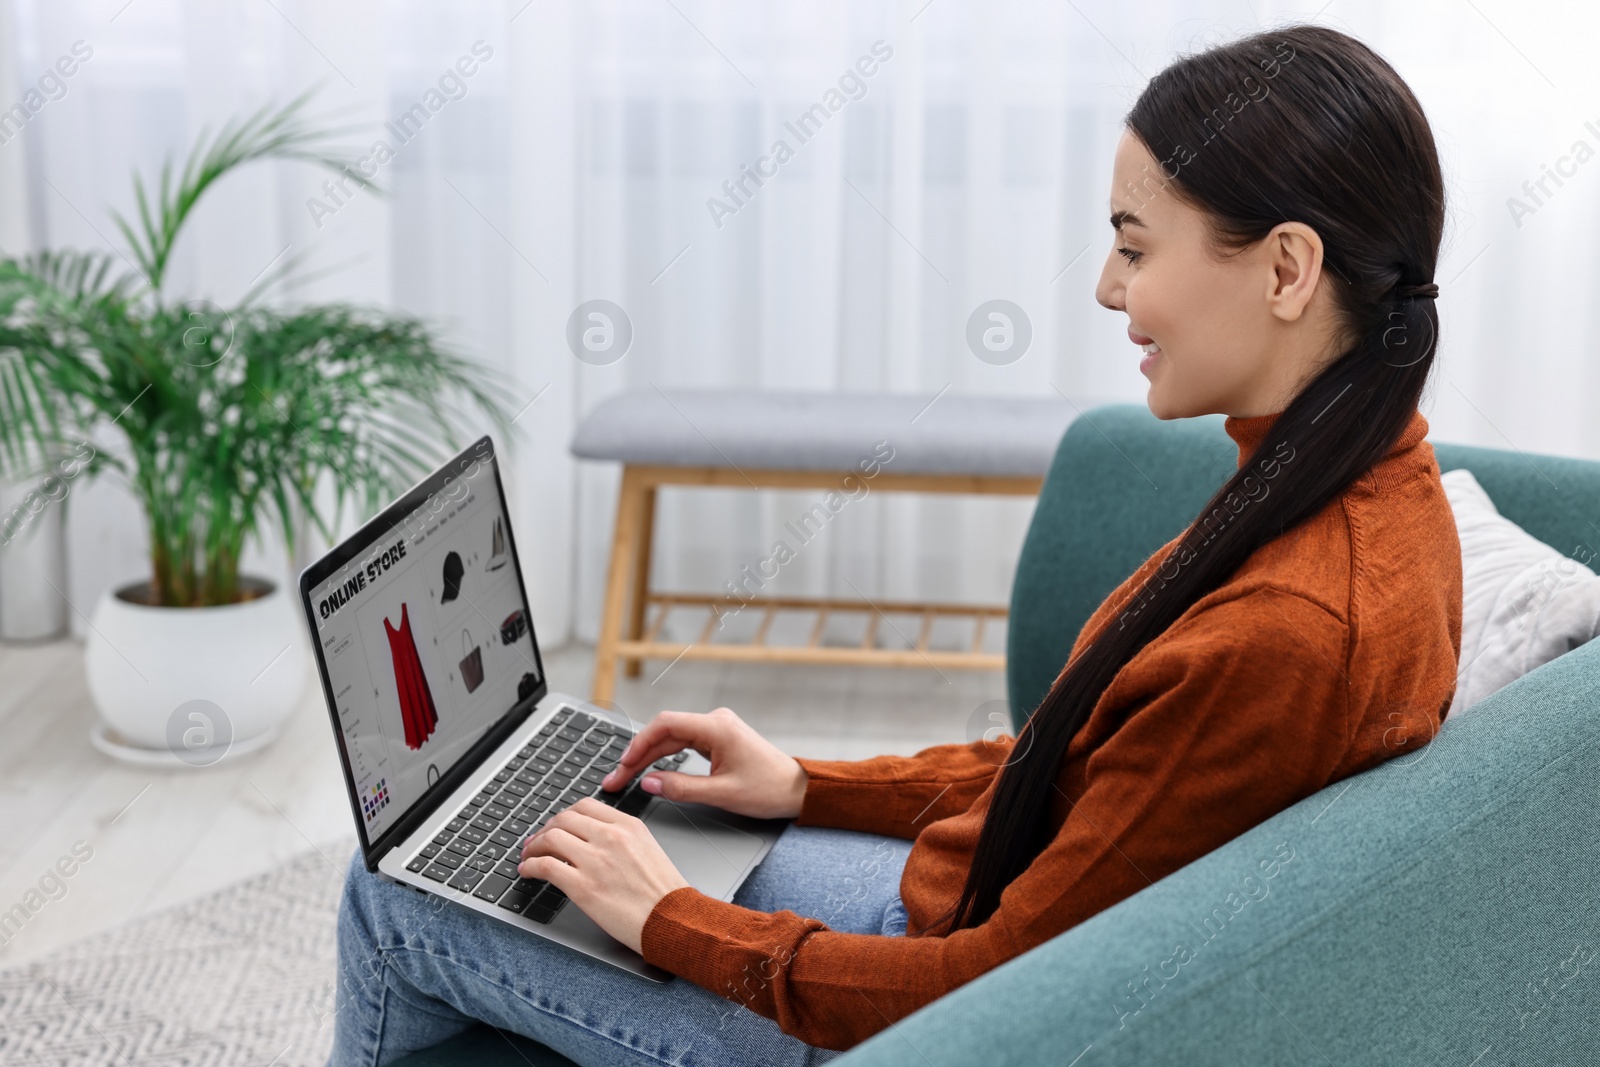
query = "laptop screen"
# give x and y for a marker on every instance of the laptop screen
(423, 636)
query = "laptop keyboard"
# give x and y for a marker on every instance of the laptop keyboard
(477, 852)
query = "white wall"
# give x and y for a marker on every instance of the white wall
(580, 162)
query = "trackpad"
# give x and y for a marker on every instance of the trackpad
(711, 855)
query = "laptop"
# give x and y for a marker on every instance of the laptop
(454, 750)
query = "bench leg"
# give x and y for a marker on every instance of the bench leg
(641, 577)
(624, 550)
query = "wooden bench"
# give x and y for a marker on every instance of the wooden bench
(755, 440)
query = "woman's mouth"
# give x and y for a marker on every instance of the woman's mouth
(1150, 348)
(1149, 360)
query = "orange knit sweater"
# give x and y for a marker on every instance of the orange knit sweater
(1333, 648)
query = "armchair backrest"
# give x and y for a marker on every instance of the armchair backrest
(1124, 483)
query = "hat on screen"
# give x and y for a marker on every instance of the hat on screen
(452, 577)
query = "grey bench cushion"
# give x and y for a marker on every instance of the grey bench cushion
(955, 434)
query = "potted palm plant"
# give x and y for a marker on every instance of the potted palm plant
(222, 421)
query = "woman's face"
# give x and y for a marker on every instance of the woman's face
(1236, 334)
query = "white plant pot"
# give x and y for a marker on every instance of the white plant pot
(194, 685)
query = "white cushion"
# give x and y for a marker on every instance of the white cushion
(1523, 602)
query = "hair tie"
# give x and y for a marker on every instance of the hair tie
(1426, 291)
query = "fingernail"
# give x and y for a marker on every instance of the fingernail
(651, 784)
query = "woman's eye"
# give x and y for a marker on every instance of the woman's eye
(1130, 254)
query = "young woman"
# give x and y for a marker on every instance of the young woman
(1278, 208)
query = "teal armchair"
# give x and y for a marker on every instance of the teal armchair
(1443, 908)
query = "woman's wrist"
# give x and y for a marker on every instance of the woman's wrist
(797, 790)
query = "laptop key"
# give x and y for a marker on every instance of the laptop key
(593, 774)
(443, 837)
(437, 872)
(526, 751)
(461, 846)
(572, 796)
(480, 800)
(503, 837)
(486, 824)
(474, 835)
(465, 880)
(544, 907)
(417, 864)
(507, 869)
(431, 850)
(514, 901)
(633, 801)
(492, 851)
(484, 864)
(491, 887)
(516, 827)
(454, 825)
(518, 789)
(449, 860)
(495, 812)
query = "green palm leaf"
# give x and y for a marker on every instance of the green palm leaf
(228, 419)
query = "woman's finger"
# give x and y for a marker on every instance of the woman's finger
(667, 733)
(549, 869)
(555, 841)
(598, 810)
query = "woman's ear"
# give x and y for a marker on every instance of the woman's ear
(1294, 267)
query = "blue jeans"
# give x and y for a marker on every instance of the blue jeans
(415, 970)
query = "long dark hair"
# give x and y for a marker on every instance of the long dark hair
(1299, 124)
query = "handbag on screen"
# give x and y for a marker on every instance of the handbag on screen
(471, 663)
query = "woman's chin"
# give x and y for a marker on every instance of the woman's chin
(1159, 405)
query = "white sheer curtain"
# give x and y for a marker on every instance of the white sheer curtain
(577, 162)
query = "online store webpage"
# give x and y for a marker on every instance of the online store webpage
(428, 644)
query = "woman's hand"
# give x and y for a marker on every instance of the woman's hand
(607, 862)
(749, 775)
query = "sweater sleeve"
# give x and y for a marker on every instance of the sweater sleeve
(897, 796)
(1233, 714)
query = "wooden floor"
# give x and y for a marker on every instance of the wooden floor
(162, 837)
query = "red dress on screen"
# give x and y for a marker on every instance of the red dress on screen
(417, 713)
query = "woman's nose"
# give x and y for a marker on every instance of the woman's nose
(1108, 291)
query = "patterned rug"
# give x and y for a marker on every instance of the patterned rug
(244, 976)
